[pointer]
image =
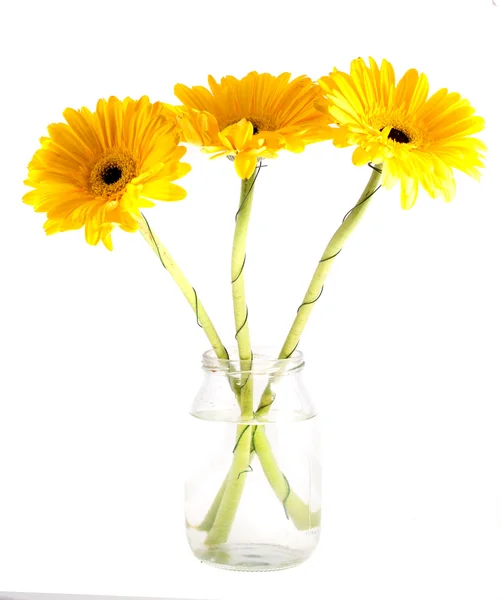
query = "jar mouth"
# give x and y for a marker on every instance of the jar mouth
(264, 362)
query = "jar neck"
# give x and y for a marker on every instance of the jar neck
(263, 362)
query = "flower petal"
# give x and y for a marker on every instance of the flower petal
(245, 165)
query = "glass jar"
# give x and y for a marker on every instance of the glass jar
(252, 493)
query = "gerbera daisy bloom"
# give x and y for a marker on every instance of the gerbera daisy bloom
(99, 168)
(253, 117)
(418, 139)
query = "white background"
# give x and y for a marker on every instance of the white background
(100, 354)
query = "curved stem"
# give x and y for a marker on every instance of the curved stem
(316, 286)
(332, 250)
(188, 291)
(298, 511)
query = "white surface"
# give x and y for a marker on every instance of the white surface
(36, 596)
(100, 353)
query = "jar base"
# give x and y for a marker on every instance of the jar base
(251, 557)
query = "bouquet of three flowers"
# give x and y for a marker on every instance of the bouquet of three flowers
(100, 169)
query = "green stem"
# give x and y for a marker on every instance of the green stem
(239, 294)
(294, 507)
(316, 286)
(188, 291)
(234, 485)
(220, 517)
(208, 521)
(323, 268)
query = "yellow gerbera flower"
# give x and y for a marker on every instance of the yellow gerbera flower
(253, 117)
(100, 168)
(418, 139)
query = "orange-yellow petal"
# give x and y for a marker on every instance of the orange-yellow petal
(245, 164)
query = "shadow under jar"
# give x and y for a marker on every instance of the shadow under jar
(252, 493)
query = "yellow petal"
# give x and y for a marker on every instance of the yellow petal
(360, 157)
(106, 236)
(340, 137)
(163, 190)
(295, 144)
(245, 165)
(238, 134)
(91, 234)
(409, 192)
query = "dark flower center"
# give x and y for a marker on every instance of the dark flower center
(255, 129)
(398, 136)
(111, 174)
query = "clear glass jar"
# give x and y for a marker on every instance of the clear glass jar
(252, 494)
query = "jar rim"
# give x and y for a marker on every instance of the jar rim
(264, 361)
